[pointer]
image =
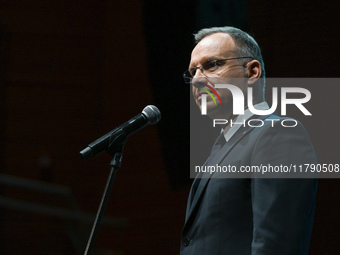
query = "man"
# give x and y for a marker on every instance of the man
(243, 216)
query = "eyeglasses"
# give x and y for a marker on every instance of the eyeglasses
(207, 67)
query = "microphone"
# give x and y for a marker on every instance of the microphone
(149, 115)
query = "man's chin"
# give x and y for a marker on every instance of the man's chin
(212, 111)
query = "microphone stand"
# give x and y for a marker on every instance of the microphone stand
(116, 150)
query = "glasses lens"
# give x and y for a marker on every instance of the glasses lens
(210, 66)
(187, 77)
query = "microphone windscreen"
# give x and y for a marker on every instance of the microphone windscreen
(152, 114)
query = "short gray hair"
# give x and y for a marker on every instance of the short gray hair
(246, 44)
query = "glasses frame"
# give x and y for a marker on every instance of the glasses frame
(187, 76)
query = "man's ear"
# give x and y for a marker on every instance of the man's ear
(254, 71)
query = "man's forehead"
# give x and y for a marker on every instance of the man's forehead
(214, 45)
(214, 38)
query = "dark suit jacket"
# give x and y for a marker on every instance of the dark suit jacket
(257, 216)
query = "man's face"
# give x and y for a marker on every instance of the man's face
(214, 47)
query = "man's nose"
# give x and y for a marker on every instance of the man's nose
(199, 79)
(199, 82)
(199, 73)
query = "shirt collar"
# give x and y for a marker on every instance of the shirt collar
(241, 118)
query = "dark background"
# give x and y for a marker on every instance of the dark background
(70, 71)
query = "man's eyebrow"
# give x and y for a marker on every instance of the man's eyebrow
(203, 61)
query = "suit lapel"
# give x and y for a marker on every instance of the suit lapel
(241, 132)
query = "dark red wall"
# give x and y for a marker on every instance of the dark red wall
(73, 70)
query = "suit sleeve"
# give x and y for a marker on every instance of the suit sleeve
(283, 208)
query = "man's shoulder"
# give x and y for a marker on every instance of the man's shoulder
(275, 116)
(274, 124)
(276, 120)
